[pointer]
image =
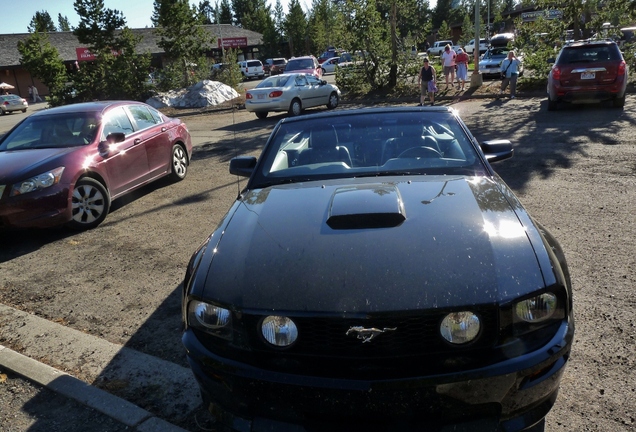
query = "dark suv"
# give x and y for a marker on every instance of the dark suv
(588, 71)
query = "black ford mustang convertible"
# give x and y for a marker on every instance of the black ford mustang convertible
(375, 273)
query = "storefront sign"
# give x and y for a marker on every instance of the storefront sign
(237, 42)
(547, 14)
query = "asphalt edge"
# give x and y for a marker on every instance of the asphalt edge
(73, 388)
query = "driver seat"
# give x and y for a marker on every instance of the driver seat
(323, 147)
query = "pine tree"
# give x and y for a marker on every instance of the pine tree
(41, 22)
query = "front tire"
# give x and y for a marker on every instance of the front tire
(90, 203)
(24, 110)
(179, 162)
(296, 108)
(333, 100)
(261, 114)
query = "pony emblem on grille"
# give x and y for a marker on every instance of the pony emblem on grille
(367, 334)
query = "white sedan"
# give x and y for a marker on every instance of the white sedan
(292, 93)
(329, 66)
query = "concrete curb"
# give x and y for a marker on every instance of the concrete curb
(173, 387)
(73, 388)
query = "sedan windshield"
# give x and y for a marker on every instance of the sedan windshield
(397, 142)
(52, 131)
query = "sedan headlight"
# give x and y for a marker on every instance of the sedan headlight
(537, 309)
(460, 327)
(279, 331)
(38, 182)
(210, 318)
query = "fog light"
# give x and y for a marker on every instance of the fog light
(460, 327)
(279, 331)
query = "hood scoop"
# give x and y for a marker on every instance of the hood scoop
(366, 206)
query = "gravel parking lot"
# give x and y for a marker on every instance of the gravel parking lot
(574, 169)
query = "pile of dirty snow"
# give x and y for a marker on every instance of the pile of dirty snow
(200, 95)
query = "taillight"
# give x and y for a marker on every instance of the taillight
(622, 68)
(556, 73)
(248, 96)
(6, 103)
(276, 93)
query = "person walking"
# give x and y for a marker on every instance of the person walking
(36, 95)
(509, 73)
(448, 60)
(31, 93)
(426, 81)
(462, 68)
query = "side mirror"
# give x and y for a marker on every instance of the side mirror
(242, 165)
(115, 137)
(496, 150)
(104, 147)
(323, 82)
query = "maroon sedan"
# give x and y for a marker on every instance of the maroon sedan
(65, 165)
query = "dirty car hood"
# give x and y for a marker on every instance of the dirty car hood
(369, 245)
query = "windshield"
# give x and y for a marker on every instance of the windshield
(52, 131)
(363, 144)
(589, 54)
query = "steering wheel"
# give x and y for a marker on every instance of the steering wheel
(414, 152)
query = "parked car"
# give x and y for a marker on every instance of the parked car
(585, 71)
(329, 66)
(438, 47)
(292, 93)
(490, 62)
(305, 64)
(66, 165)
(252, 69)
(329, 53)
(11, 102)
(470, 47)
(375, 273)
(274, 66)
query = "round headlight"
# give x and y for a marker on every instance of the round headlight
(460, 327)
(537, 309)
(279, 331)
(210, 316)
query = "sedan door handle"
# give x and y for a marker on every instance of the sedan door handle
(163, 129)
(137, 141)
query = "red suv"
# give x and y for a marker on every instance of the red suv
(588, 71)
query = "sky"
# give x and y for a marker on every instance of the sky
(136, 12)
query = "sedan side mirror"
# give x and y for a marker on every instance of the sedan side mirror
(104, 147)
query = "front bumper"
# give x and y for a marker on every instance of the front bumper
(489, 70)
(508, 396)
(40, 209)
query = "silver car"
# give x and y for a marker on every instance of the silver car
(490, 63)
(11, 102)
(292, 93)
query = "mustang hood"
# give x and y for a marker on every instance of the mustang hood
(371, 245)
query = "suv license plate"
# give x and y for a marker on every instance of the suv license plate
(588, 75)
